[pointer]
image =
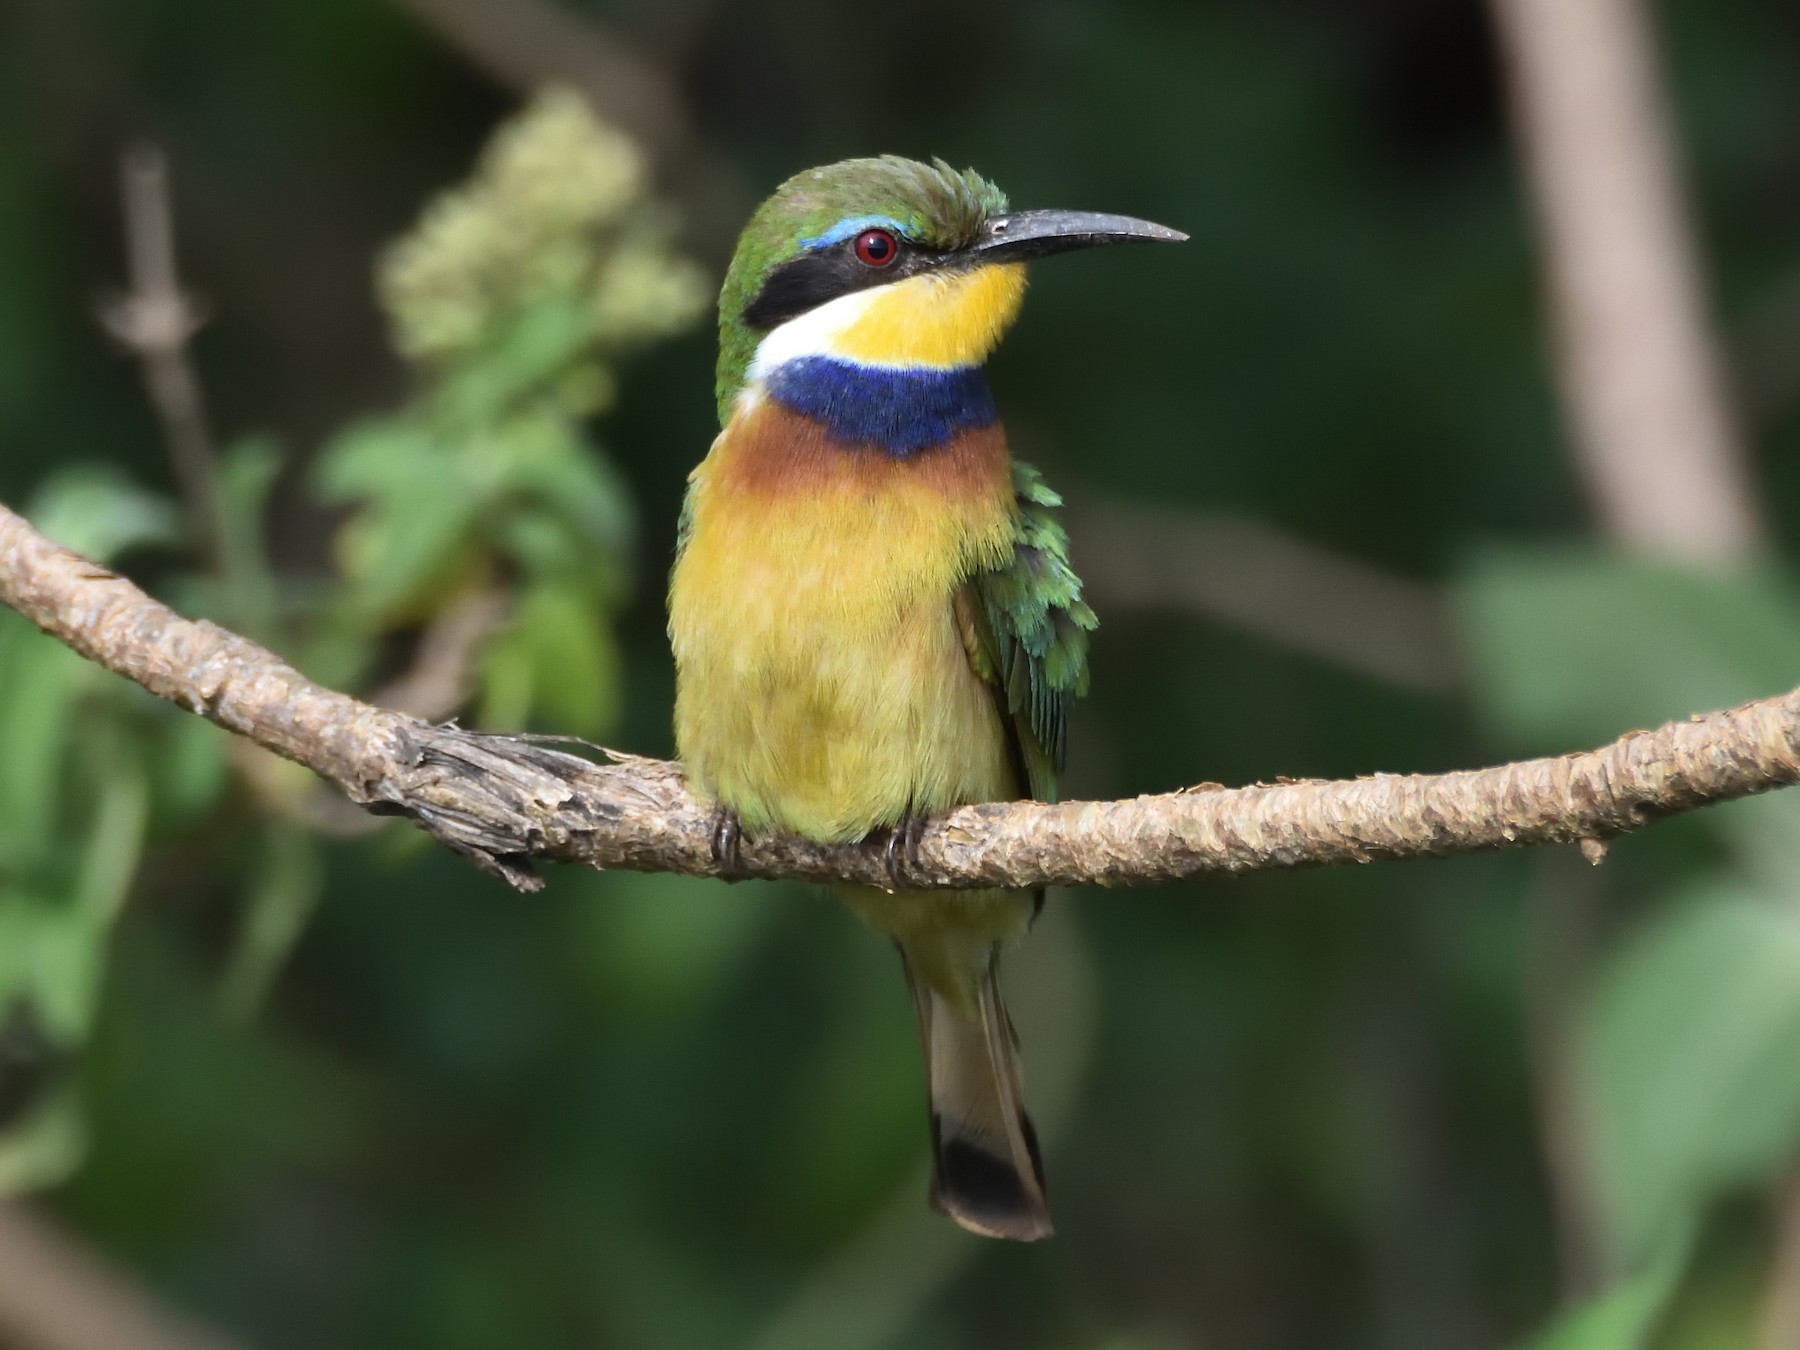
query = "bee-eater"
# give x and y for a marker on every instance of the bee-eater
(872, 609)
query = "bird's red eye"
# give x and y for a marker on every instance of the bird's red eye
(876, 248)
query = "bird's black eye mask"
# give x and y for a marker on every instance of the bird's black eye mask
(855, 264)
(878, 255)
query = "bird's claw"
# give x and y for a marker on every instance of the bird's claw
(727, 835)
(902, 852)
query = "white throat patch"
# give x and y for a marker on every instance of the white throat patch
(814, 333)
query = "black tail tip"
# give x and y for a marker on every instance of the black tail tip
(986, 1194)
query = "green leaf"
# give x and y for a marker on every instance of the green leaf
(46, 1147)
(1687, 1058)
(50, 959)
(390, 559)
(53, 947)
(247, 473)
(289, 881)
(534, 352)
(40, 681)
(508, 681)
(544, 547)
(1624, 1317)
(379, 458)
(553, 467)
(416, 512)
(121, 810)
(575, 664)
(25, 918)
(191, 769)
(1572, 649)
(99, 513)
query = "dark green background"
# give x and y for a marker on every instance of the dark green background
(1286, 1110)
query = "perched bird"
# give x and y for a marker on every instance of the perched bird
(872, 609)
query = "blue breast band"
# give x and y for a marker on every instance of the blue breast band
(901, 412)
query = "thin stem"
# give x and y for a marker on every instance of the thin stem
(154, 320)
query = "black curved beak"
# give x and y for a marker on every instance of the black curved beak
(1019, 235)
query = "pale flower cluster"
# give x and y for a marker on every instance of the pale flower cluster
(557, 210)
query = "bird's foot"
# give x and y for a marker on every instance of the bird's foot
(902, 852)
(727, 835)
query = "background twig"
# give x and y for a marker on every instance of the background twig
(1639, 370)
(154, 320)
(1651, 433)
(440, 679)
(1779, 1321)
(57, 1295)
(1285, 590)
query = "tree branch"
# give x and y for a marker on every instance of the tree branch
(503, 801)
(1280, 588)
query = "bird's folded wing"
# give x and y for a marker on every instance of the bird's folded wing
(1026, 629)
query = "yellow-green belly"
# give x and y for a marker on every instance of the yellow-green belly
(823, 685)
(795, 727)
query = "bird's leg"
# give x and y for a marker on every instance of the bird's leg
(727, 834)
(902, 851)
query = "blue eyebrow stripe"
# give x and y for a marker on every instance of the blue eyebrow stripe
(898, 411)
(851, 225)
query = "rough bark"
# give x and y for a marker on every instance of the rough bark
(503, 801)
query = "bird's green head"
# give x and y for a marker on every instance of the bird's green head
(887, 261)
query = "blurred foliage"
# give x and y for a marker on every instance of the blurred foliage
(1684, 1041)
(515, 295)
(73, 813)
(330, 1088)
(1624, 1317)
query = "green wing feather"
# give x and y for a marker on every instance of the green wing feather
(1026, 628)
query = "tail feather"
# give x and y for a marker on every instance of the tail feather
(987, 1171)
